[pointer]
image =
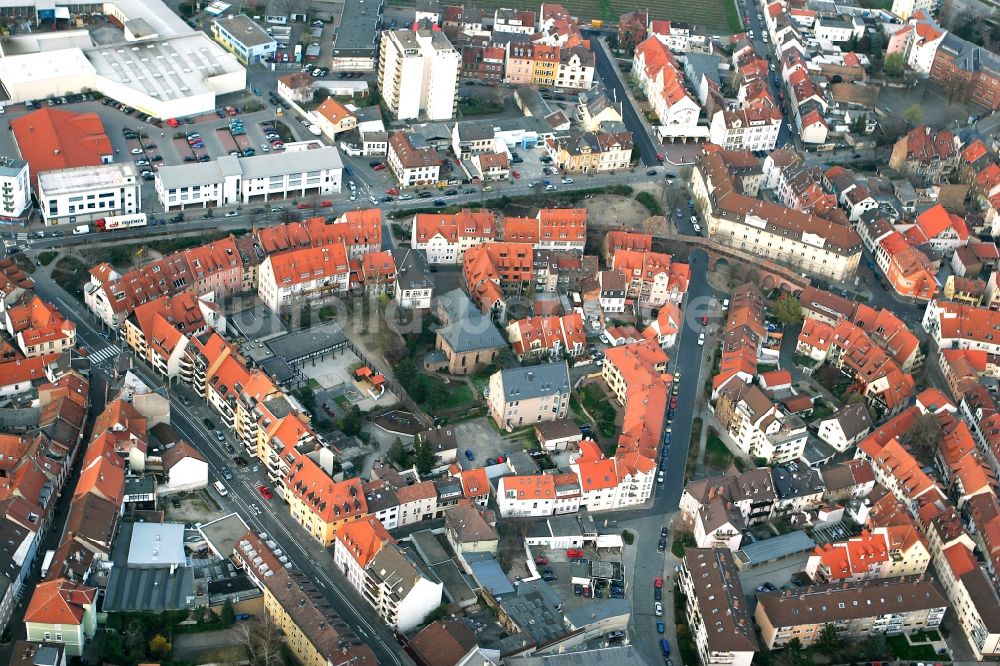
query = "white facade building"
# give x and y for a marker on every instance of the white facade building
(229, 180)
(418, 72)
(15, 186)
(242, 37)
(308, 275)
(84, 194)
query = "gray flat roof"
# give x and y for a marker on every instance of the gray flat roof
(307, 342)
(256, 166)
(245, 30)
(143, 589)
(358, 29)
(610, 656)
(253, 325)
(156, 544)
(792, 543)
(224, 533)
(490, 576)
(456, 587)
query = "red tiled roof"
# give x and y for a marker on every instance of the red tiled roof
(55, 139)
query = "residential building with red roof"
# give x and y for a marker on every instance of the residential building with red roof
(624, 240)
(160, 330)
(858, 558)
(663, 82)
(550, 229)
(925, 155)
(936, 227)
(494, 271)
(63, 612)
(664, 329)
(674, 35)
(38, 328)
(958, 326)
(21, 374)
(303, 277)
(760, 427)
(653, 278)
(52, 139)
(446, 238)
(333, 118)
(907, 270)
(355, 546)
(536, 337)
(537, 495)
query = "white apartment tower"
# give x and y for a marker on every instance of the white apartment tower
(418, 71)
(15, 186)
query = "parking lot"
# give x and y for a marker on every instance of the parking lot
(563, 572)
(778, 573)
(482, 438)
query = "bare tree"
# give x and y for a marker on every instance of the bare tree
(262, 639)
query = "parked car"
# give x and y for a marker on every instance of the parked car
(541, 560)
(658, 609)
(209, 423)
(469, 454)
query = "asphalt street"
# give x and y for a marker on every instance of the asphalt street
(306, 554)
(613, 82)
(686, 359)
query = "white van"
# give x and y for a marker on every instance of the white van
(221, 489)
(81, 229)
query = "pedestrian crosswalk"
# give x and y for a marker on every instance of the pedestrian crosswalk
(22, 239)
(103, 355)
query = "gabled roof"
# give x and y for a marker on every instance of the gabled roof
(59, 602)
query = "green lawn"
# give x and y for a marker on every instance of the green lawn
(903, 651)
(600, 407)
(70, 274)
(716, 453)
(456, 393)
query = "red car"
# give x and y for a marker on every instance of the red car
(673, 402)
(392, 191)
(173, 122)
(265, 492)
(574, 553)
(541, 560)
(325, 204)
(515, 174)
(658, 583)
(302, 206)
(704, 321)
(379, 166)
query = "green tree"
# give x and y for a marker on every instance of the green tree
(159, 646)
(914, 115)
(396, 451)
(924, 437)
(228, 613)
(828, 642)
(787, 310)
(424, 457)
(893, 64)
(350, 425)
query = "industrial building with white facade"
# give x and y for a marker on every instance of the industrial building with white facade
(162, 67)
(231, 180)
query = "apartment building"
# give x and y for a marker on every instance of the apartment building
(303, 277)
(845, 427)
(418, 74)
(414, 286)
(384, 576)
(810, 243)
(551, 229)
(160, 330)
(662, 80)
(576, 68)
(717, 612)
(62, 611)
(525, 396)
(654, 279)
(856, 610)
(244, 38)
(315, 636)
(496, 271)
(446, 237)
(38, 328)
(84, 194)
(758, 425)
(959, 326)
(926, 156)
(859, 558)
(552, 336)
(973, 69)
(591, 152)
(538, 495)
(15, 186)
(231, 181)
(412, 166)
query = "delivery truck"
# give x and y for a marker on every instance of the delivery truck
(113, 222)
(81, 229)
